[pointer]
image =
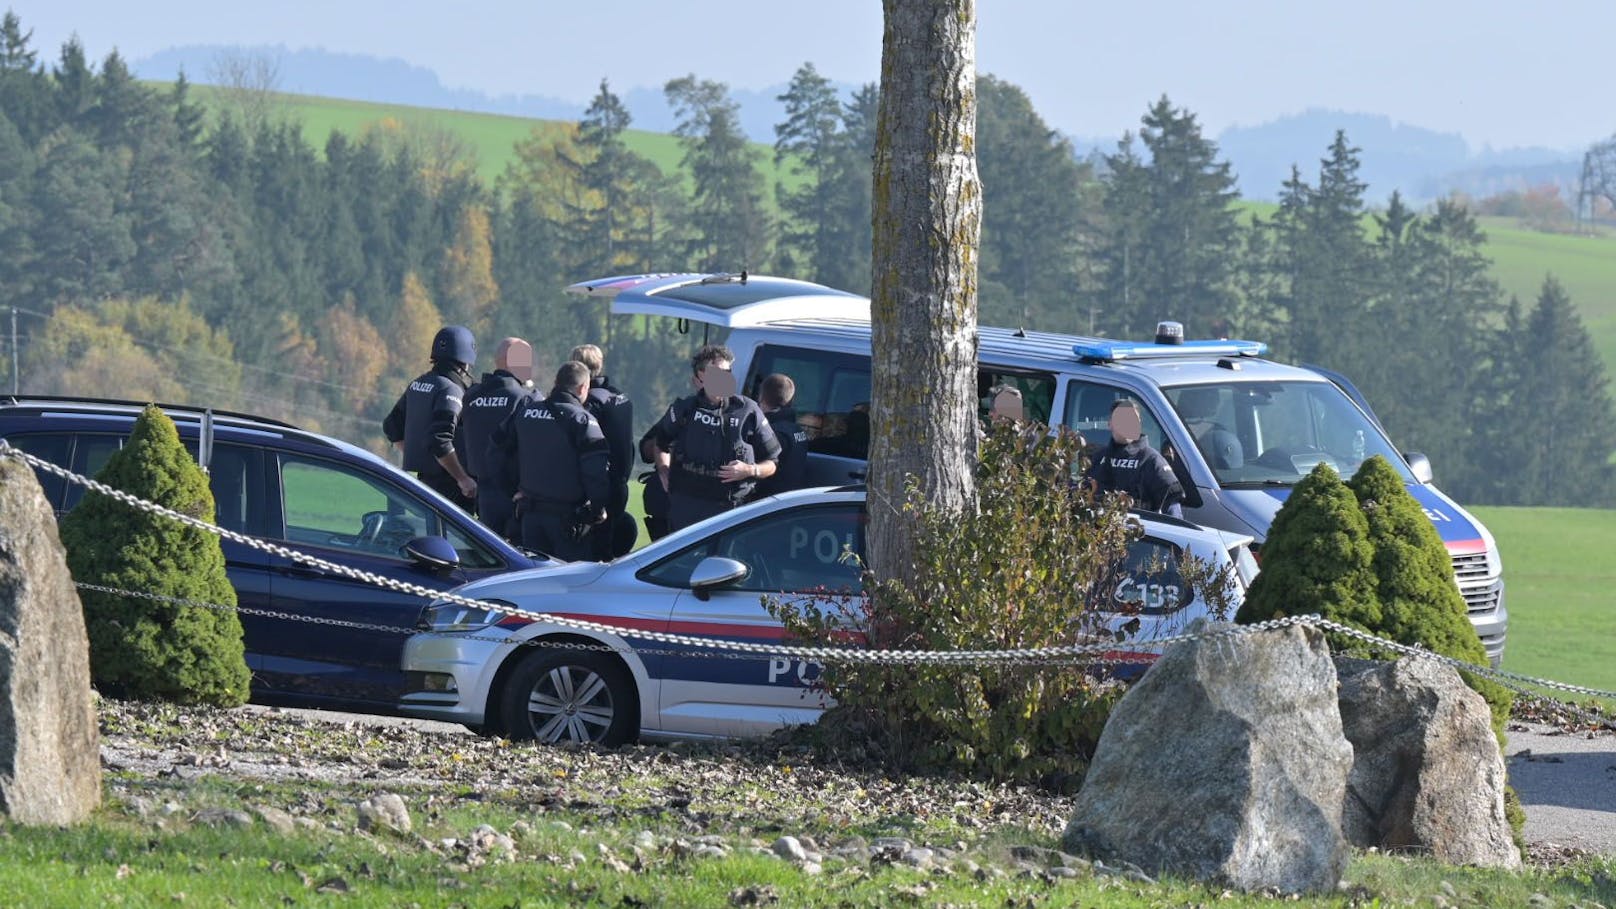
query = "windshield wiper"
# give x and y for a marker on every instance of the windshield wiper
(1255, 484)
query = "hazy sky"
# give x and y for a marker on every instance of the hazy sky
(1499, 72)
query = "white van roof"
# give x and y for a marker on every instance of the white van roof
(728, 300)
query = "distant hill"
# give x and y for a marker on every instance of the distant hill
(1422, 163)
(392, 81)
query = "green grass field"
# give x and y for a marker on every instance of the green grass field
(492, 137)
(1558, 578)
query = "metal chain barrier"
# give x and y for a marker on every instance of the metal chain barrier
(746, 650)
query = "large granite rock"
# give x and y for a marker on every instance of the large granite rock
(50, 752)
(1225, 763)
(1428, 775)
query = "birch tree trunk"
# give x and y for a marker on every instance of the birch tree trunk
(927, 223)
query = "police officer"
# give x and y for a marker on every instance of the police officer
(775, 395)
(488, 404)
(712, 447)
(1128, 464)
(561, 467)
(615, 413)
(425, 421)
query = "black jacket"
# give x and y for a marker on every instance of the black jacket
(427, 419)
(703, 436)
(559, 454)
(488, 403)
(615, 413)
(791, 469)
(1138, 470)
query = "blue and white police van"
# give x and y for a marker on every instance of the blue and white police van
(1241, 430)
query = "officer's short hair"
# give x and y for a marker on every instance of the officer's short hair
(571, 375)
(777, 390)
(591, 356)
(710, 354)
(1120, 403)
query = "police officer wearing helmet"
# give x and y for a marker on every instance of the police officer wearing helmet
(426, 419)
(712, 447)
(615, 413)
(1128, 464)
(488, 404)
(561, 468)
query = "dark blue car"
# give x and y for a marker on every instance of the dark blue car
(306, 492)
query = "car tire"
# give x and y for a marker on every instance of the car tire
(569, 696)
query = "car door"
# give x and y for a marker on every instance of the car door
(808, 552)
(346, 644)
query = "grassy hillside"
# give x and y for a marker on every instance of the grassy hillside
(1557, 587)
(492, 136)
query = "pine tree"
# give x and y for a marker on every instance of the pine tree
(849, 234)
(1420, 604)
(729, 227)
(1563, 408)
(805, 146)
(1317, 559)
(470, 293)
(149, 649)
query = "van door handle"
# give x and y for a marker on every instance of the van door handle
(296, 570)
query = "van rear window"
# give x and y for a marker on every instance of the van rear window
(833, 395)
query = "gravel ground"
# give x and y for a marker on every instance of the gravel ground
(1564, 770)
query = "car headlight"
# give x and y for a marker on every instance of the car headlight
(459, 617)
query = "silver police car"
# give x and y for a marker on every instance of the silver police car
(709, 581)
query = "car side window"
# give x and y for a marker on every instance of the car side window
(327, 504)
(234, 476)
(1037, 391)
(1088, 410)
(90, 455)
(800, 550)
(54, 447)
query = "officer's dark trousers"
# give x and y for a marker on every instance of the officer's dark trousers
(684, 510)
(604, 536)
(496, 510)
(445, 485)
(550, 532)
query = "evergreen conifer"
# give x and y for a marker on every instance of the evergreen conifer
(1317, 559)
(147, 649)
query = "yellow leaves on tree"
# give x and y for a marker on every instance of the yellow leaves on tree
(146, 349)
(409, 334)
(355, 355)
(472, 294)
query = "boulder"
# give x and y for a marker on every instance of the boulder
(50, 747)
(1428, 775)
(1225, 763)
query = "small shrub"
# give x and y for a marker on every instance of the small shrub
(1317, 558)
(1419, 601)
(1019, 572)
(143, 648)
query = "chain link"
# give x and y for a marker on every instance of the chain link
(1063, 655)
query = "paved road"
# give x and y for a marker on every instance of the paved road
(1567, 784)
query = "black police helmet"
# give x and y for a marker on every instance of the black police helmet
(455, 343)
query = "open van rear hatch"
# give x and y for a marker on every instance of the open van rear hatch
(727, 300)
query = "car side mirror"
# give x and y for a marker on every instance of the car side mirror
(716, 571)
(1420, 464)
(435, 554)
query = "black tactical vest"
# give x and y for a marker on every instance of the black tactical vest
(488, 404)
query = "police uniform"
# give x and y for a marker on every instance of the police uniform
(791, 470)
(427, 418)
(702, 437)
(561, 469)
(488, 404)
(615, 413)
(1140, 471)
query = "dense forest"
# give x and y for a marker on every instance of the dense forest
(153, 248)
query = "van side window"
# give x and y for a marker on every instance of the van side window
(833, 395)
(1088, 410)
(1037, 391)
(53, 447)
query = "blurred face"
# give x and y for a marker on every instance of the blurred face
(1006, 406)
(1125, 424)
(519, 361)
(716, 381)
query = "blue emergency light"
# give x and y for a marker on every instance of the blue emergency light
(1109, 351)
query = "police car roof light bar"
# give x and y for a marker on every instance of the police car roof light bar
(1111, 351)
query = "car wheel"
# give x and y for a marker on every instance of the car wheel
(569, 696)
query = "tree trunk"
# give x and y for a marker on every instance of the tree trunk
(927, 222)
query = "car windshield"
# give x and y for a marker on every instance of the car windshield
(1265, 433)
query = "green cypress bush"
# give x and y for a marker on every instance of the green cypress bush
(1420, 603)
(143, 648)
(1317, 558)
